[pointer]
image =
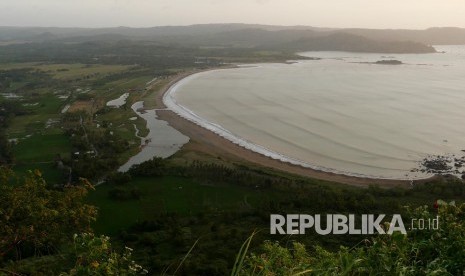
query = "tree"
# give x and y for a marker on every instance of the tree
(35, 219)
(153, 167)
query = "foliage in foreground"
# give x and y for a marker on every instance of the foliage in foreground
(49, 216)
(420, 252)
(35, 219)
(37, 223)
(94, 256)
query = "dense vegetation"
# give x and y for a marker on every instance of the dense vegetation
(354, 43)
(167, 231)
(211, 236)
(425, 252)
(38, 224)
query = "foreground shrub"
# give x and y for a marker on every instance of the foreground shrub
(420, 252)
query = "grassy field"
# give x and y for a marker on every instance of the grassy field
(41, 148)
(167, 194)
(39, 151)
(118, 87)
(49, 104)
(69, 71)
(49, 171)
(44, 107)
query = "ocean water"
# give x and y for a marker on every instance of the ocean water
(340, 113)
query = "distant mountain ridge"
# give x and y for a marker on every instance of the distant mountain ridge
(251, 35)
(431, 36)
(355, 43)
(8, 33)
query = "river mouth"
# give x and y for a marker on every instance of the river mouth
(334, 114)
(162, 141)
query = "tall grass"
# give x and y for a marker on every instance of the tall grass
(241, 255)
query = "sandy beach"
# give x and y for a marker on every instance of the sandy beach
(208, 142)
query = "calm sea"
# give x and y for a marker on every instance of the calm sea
(341, 113)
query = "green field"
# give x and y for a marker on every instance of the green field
(165, 195)
(69, 71)
(49, 104)
(49, 171)
(41, 148)
(117, 87)
(39, 152)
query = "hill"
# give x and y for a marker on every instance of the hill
(250, 35)
(355, 43)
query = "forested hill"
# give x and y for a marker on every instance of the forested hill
(249, 36)
(355, 43)
(431, 36)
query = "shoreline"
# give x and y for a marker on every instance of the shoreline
(161, 93)
(212, 139)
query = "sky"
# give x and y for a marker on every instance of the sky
(395, 14)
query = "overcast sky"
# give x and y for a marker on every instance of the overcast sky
(413, 14)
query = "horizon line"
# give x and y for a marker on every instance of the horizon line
(236, 23)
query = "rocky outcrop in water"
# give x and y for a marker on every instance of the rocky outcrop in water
(389, 62)
(443, 165)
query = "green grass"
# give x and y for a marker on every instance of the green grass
(24, 125)
(52, 174)
(49, 107)
(122, 85)
(49, 104)
(39, 151)
(41, 148)
(11, 66)
(150, 99)
(79, 70)
(166, 194)
(123, 126)
(69, 71)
